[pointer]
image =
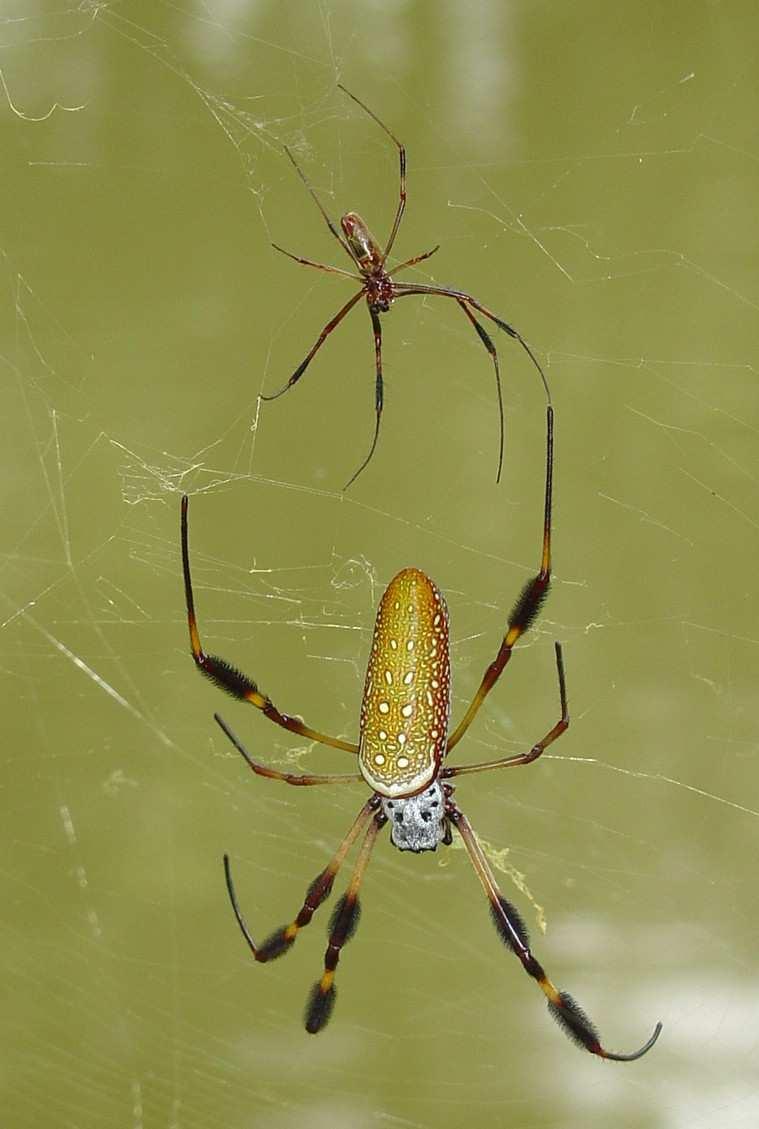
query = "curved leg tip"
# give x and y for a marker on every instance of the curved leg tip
(635, 1054)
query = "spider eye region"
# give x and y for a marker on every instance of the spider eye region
(362, 243)
(404, 712)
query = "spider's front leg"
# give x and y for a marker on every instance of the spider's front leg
(228, 677)
(528, 604)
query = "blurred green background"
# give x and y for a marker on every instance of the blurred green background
(592, 174)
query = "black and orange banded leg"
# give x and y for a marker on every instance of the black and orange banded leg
(513, 932)
(342, 926)
(228, 677)
(527, 606)
(280, 941)
(537, 749)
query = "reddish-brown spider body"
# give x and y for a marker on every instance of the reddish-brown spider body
(368, 259)
(378, 285)
(379, 293)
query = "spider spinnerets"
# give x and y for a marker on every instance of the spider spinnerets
(403, 745)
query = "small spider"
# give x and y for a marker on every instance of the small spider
(404, 740)
(380, 291)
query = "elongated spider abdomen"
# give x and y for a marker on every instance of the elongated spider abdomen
(404, 713)
(363, 244)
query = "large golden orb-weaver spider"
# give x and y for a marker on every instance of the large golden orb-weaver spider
(380, 291)
(403, 743)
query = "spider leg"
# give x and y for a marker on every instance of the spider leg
(416, 259)
(402, 161)
(568, 1014)
(297, 778)
(538, 749)
(378, 394)
(402, 289)
(488, 343)
(315, 348)
(319, 266)
(278, 943)
(527, 606)
(321, 208)
(228, 677)
(342, 926)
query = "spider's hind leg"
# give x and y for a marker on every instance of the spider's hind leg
(513, 932)
(342, 926)
(280, 941)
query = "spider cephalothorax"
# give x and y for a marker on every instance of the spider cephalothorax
(402, 756)
(419, 823)
(379, 294)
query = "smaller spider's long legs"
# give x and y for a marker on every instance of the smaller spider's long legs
(402, 162)
(568, 1014)
(319, 266)
(321, 208)
(402, 289)
(332, 324)
(280, 941)
(378, 394)
(488, 343)
(342, 926)
(228, 677)
(537, 749)
(296, 778)
(527, 606)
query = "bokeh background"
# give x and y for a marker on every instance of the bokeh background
(591, 172)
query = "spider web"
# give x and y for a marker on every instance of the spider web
(601, 197)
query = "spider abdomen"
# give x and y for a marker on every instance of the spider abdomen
(404, 712)
(362, 243)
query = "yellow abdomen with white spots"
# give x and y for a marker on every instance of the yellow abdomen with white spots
(404, 713)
